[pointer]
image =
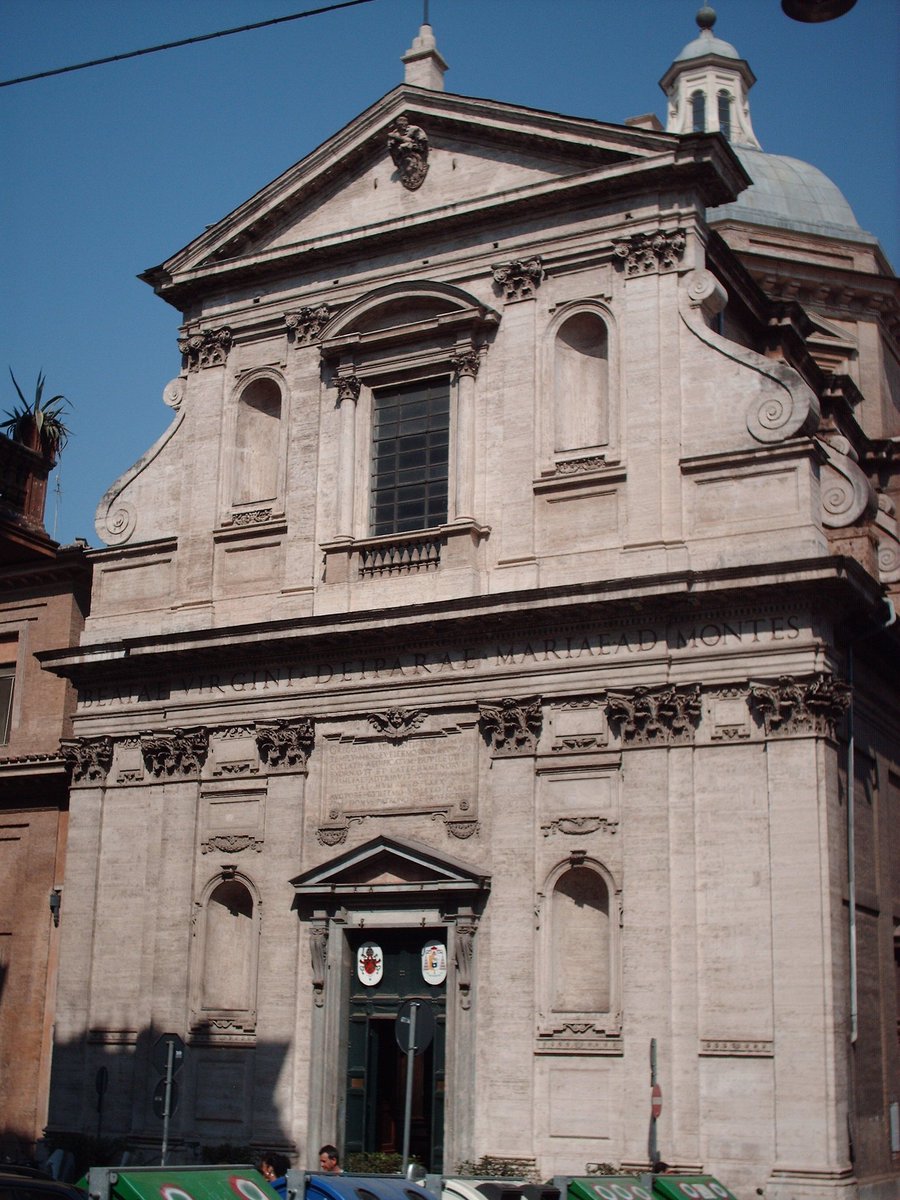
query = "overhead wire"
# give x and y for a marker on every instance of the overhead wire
(204, 37)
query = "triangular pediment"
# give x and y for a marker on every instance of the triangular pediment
(389, 866)
(480, 154)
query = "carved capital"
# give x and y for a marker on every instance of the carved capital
(286, 744)
(209, 348)
(348, 388)
(655, 716)
(397, 723)
(513, 726)
(408, 147)
(644, 253)
(467, 362)
(519, 279)
(179, 754)
(792, 705)
(307, 323)
(88, 758)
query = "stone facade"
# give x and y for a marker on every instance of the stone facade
(560, 684)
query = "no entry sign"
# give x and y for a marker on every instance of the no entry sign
(655, 1101)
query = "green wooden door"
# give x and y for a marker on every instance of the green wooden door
(376, 1068)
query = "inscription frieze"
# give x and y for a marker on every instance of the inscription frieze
(545, 652)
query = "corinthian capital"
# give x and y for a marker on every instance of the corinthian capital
(179, 754)
(208, 348)
(88, 758)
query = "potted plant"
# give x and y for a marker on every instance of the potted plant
(38, 423)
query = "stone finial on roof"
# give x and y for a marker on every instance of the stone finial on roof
(424, 65)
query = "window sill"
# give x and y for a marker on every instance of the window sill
(421, 550)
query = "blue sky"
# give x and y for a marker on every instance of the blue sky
(109, 171)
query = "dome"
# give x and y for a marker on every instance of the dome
(791, 194)
(707, 43)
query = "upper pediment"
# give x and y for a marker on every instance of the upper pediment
(362, 184)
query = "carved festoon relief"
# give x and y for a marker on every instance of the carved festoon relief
(513, 726)
(231, 843)
(397, 723)
(643, 253)
(256, 516)
(655, 716)
(88, 758)
(332, 835)
(208, 348)
(318, 954)
(792, 705)
(286, 744)
(580, 466)
(307, 322)
(847, 494)
(408, 147)
(519, 279)
(180, 753)
(579, 825)
(579, 725)
(462, 829)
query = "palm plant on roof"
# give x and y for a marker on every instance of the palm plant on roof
(37, 423)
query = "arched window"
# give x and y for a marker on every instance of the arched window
(725, 114)
(581, 383)
(581, 944)
(698, 112)
(257, 443)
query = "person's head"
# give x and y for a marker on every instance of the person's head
(273, 1165)
(661, 1168)
(329, 1160)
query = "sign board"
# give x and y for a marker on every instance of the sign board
(159, 1055)
(424, 1026)
(655, 1101)
(159, 1099)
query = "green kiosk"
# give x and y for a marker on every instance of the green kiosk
(644, 1187)
(177, 1183)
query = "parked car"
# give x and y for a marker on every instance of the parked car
(26, 1183)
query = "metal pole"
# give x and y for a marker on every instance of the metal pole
(167, 1104)
(652, 1150)
(410, 1061)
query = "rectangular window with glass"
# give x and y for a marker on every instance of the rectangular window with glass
(7, 680)
(410, 457)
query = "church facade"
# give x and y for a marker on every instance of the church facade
(497, 625)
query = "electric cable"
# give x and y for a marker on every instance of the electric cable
(204, 37)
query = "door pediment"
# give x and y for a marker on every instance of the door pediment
(390, 870)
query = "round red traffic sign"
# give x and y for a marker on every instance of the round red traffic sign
(655, 1101)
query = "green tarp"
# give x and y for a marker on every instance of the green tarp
(691, 1187)
(608, 1187)
(179, 1183)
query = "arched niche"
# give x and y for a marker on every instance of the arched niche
(581, 383)
(257, 441)
(579, 962)
(226, 930)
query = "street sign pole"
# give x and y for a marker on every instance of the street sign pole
(410, 1061)
(167, 1105)
(652, 1148)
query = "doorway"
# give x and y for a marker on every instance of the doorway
(376, 1067)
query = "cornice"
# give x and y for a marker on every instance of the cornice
(832, 584)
